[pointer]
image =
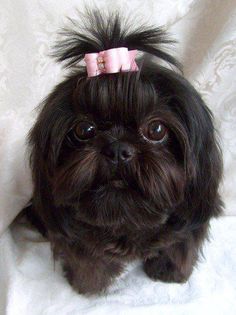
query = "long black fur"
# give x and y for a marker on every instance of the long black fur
(169, 190)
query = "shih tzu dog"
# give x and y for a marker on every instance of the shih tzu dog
(124, 158)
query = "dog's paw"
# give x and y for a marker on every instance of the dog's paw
(163, 269)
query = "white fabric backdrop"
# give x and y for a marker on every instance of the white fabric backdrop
(207, 39)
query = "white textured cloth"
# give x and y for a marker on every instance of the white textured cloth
(206, 33)
(30, 285)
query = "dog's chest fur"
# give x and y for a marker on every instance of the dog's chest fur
(124, 241)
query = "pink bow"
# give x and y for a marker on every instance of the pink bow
(110, 61)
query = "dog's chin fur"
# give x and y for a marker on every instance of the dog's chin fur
(157, 206)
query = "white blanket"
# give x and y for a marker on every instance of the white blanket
(206, 33)
(30, 285)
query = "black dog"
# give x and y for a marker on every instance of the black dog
(125, 165)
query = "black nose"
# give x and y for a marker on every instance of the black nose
(118, 152)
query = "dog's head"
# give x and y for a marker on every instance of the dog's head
(129, 147)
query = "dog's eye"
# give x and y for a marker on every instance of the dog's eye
(155, 131)
(85, 130)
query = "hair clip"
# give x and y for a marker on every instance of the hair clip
(111, 61)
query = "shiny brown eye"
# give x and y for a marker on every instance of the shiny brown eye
(155, 131)
(85, 130)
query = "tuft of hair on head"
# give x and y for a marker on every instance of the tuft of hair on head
(94, 31)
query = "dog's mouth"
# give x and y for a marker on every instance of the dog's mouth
(117, 183)
(114, 181)
(110, 187)
(111, 184)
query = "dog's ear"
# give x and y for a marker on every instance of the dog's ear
(204, 158)
(48, 133)
(45, 142)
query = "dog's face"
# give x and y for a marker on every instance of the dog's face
(121, 155)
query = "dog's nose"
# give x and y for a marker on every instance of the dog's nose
(119, 152)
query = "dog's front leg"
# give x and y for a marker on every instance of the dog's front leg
(175, 262)
(90, 275)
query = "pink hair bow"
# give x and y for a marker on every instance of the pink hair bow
(110, 61)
